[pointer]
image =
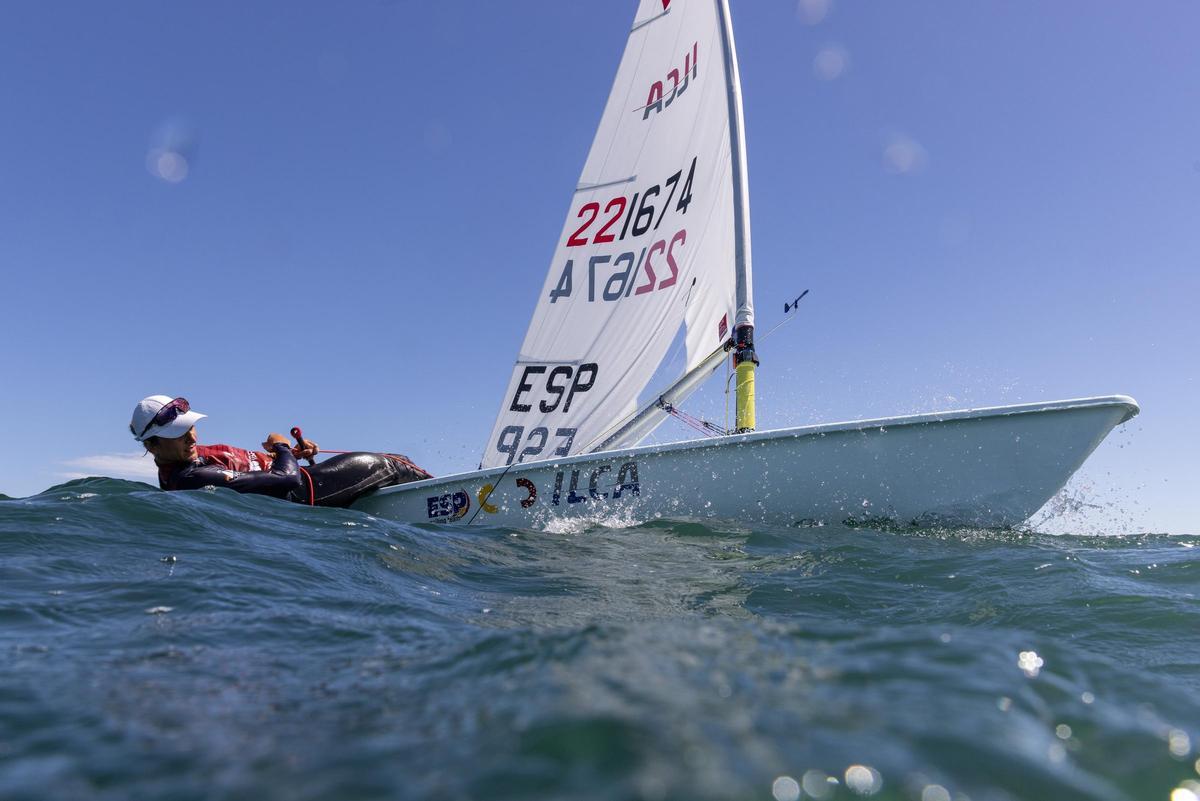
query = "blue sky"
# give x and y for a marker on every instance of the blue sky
(990, 203)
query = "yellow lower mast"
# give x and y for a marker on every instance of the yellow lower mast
(744, 364)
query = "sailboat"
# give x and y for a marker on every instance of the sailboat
(656, 250)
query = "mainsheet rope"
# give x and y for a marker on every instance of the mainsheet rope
(312, 495)
(703, 426)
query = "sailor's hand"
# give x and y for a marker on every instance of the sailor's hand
(272, 440)
(309, 451)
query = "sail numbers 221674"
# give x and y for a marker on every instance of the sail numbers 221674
(639, 218)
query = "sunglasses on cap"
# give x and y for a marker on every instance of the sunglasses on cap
(166, 415)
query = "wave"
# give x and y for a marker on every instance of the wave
(206, 643)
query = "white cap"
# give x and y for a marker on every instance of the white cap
(144, 412)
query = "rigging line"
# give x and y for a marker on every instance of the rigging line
(690, 419)
(633, 414)
(484, 499)
(789, 314)
(689, 381)
(701, 425)
(694, 426)
(687, 420)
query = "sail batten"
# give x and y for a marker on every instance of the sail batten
(588, 187)
(645, 22)
(651, 243)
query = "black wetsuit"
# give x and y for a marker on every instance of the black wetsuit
(337, 481)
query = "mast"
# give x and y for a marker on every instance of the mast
(744, 358)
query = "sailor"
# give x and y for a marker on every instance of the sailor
(166, 427)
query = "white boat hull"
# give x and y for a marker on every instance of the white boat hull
(982, 467)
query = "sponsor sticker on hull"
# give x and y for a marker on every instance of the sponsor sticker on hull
(600, 484)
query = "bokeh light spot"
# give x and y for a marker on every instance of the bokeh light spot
(816, 784)
(172, 151)
(785, 788)
(830, 62)
(171, 167)
(812, 11)
(903, 155)
(863, 779)
(935, 792)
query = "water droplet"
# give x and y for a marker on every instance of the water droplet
(1030, 663)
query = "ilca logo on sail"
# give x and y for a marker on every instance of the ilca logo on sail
(656, 101)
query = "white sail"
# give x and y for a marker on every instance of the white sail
(656, 237)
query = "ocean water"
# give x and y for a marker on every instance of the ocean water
(205, 645)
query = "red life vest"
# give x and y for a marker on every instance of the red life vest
(228, 457)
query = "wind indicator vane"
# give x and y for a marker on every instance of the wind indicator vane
(788, 307)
